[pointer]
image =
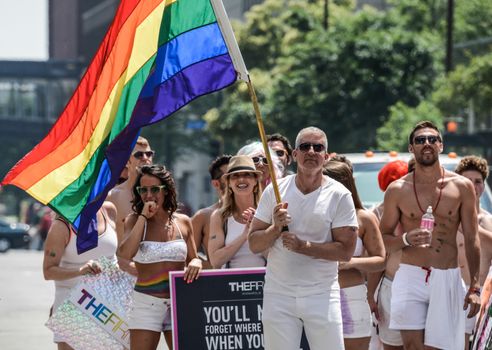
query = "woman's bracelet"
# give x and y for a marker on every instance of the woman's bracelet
(146, 218)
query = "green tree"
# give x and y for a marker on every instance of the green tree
(344, 81)
(467, 84)
(393, 135)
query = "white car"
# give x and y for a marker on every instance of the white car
(367, 166)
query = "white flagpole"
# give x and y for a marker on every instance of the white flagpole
(237, 60)
(230, 39)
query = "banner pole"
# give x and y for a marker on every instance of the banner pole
(261, 129)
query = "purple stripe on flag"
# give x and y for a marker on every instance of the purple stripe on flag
(192, 82)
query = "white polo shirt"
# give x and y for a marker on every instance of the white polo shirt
(314, 215)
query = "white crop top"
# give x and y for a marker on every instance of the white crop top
(107, 242)
(152, 251)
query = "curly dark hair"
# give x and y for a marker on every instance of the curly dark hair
(473, 163)
(159, 171)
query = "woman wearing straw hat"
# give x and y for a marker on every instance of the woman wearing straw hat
(229, 224)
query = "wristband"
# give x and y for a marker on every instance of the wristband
(146, 218)
(405, 241)
(475, 291)
(308, 244)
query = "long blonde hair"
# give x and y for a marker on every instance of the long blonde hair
(228, 202)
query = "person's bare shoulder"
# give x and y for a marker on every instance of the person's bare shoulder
(204, 213)
(396, 187)
(485, 219)
(110, 209)
(182, 218)
(455, 177)
(461, 182)
(366, 215)
(115, 193)
(131, 218)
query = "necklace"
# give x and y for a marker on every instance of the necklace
(440, 191)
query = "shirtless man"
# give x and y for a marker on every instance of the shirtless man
(428, 297)
(476, 170)
(122, 194)
(201, 219)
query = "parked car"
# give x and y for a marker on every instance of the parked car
(367, 166)
(13, 235)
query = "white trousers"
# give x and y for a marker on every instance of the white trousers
(284, 318)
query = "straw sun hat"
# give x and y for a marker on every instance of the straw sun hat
(241, 164)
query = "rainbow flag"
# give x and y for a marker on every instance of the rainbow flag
(157, 56)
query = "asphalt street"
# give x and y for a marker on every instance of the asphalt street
(25, 300)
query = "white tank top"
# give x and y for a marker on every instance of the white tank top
(107, 243)
(359, 247)
(243, 257)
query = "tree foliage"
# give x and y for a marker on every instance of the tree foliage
(393, 134)
(470, 84)
(343, 80)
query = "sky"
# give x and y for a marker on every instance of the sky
(23, 29)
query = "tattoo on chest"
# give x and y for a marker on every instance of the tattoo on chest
(213, 237)
(440, 242)
(52, 254)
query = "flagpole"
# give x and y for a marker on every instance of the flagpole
(261, 129)
(243, 74)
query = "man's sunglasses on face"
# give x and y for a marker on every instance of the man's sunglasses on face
(257, 160)
(141, 154)
(420, 140)
(306, 146)
(153, 189)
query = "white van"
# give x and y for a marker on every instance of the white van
(367, 166)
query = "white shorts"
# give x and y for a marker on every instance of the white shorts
(149, 313)
(387, 336)
(283, 318)
(430, 300)
(356, 314)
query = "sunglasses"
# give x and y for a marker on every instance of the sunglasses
(280, 153)
(247, 175)
(141, 190)
(317, 147)
(420, 140)
(141, 154)
(256, 160)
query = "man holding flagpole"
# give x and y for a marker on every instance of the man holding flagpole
(301, 287)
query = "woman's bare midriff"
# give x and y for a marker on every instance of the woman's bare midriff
(350, 278)
(146, 271)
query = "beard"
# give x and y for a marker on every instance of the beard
(426, 160)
